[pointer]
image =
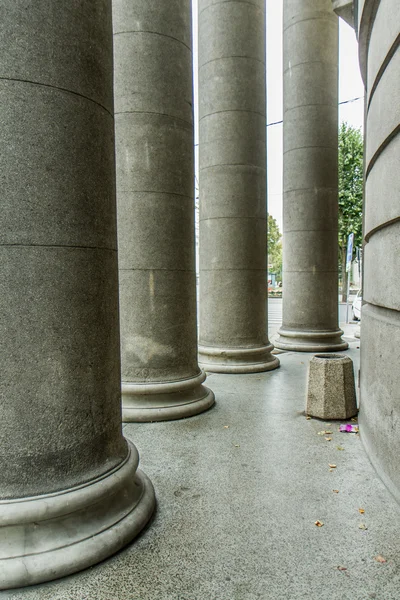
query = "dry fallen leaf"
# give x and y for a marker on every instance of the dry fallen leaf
(324, 432)
(339, 448)
(354, 419)
(332, 466)
(380, 559)
(328, 439)
(341, 568)
(237, 445)
(308, 417)
(319, 523)
(335, 491)
(361, 511)
(226, 426)
(362, 526)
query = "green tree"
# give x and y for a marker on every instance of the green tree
(350, 194)
(274, 248)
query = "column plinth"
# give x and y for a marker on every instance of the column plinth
(53, 535)
(311, 341)
(165, 401)
(238, 360)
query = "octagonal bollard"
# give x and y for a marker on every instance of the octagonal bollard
(331, 391)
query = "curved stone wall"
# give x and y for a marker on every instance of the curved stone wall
(379, 39)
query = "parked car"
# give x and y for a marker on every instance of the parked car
(356, 307)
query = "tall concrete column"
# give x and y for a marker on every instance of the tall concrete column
(310, 178)
(161, 379)
(70, 491)
(378, 27)
(233, 265)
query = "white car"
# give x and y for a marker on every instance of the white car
(356, 306)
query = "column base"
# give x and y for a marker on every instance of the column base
(310, 341)
(237, 360)
(50, 536)
(147, 402)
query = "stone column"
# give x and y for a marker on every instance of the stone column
(233, 265)
(161, 379)
(310, 178)
(378, 26)
(70, 491)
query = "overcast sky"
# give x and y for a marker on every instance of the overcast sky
(350, 86)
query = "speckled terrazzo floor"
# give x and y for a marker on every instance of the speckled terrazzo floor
(239, 489)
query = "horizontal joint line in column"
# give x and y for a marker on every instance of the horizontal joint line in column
(286, 110)
(217, 112)
(149, 269)
(383, 68)
(311, 270)
(171, 37)
(381, 148)
(232, 56)
(310, 62)
(310, 147)
(378, 228)
(322, 17)
(229, 2)
(308, 189)
(57, 246)
(310, 230)
(154, 192)
(237, 218)
(157, 114)
(60, 89)
(233, 269)
(232, 165)
(382, 307)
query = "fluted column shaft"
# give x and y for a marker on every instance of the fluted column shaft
(310, 177)
(233, 266)
(155, 185)
(69, 488)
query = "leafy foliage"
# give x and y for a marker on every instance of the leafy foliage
(350, 184)
(274, 247)
(350, 193)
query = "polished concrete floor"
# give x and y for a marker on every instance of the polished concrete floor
(239, 489)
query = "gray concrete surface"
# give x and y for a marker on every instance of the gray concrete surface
(310, 177)
(232, 179)
(60, 414)
(155, 172)
(380, 375)
(239, 489)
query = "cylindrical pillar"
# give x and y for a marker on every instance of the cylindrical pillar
(233, 229)
(310, 178)
(70, 491)
(378, 25)
(161, 379)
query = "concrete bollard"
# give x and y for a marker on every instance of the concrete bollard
(331, 391)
